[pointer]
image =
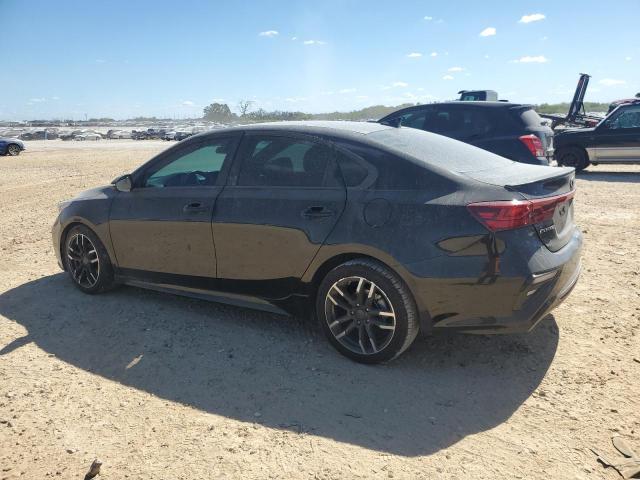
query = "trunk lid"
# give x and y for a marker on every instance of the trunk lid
(549, 190)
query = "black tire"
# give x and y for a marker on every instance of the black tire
(359, 324)
(574, 157)
(13, 149)
(83, 250)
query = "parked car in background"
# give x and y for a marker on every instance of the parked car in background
(170, 135)
(118, 134)
(511, 130)
(11, 146)
(88, 136)
(182, 135)
(380, 231)
(616, 139)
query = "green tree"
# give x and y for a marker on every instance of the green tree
(218, 112)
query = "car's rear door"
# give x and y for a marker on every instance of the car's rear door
(283, 199)
(618, 137)
(163, 224)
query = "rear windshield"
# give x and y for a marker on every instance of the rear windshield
(530, 118)
(435, 150)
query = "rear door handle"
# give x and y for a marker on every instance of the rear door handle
(195, 207)
(317, 211)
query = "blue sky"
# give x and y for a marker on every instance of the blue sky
(129, 58)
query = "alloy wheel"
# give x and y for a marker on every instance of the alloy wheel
(360, 315)
(84, 262)
(13, 150)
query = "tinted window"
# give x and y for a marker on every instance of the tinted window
(353, 171)
(628, 117)
(392, 173)
(413, 119)
(282, 161)
(197, 165)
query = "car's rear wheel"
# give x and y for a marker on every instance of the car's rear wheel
(87, 261)
(366, 311)
(573, 157)
(13, 150)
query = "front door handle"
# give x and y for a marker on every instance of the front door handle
(317, 211)
(195, 207)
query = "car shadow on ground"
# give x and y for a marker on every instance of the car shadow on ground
(279, 371)
(600, 176)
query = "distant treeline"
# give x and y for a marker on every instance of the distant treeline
(220, 112)
(564, 107)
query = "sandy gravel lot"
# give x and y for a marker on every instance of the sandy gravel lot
(161, 387)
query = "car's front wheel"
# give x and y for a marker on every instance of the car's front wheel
(13, 150)
(87, 261)
(366, 311)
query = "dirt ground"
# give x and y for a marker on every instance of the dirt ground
(162, 387)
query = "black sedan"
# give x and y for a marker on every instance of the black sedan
(380, 232)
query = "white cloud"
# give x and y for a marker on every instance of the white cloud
(414, 55)
(399, 84)
(447, 77)
(268, 33)
(628, 59)
(55, 98)
(534, 17)
(188, 103)
(428, 18)
(294, 38)
(347, 90)
(545, 38)
(455, 69)
(486, 56)
(611, 82)
(434, 54)
(488, 32)
(295, 99)
(529, 59)
(314, 42)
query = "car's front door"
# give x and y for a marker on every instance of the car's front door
(164, 223)
(283, 199)
(618, 137)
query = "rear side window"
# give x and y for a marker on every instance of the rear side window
(353, 172)
(391, 172)
(282, 161)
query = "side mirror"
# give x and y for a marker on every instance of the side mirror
(123, 183)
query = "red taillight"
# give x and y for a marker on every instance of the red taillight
(507, 215)
(534, 145)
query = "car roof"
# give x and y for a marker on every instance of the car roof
(479, 104)
(333, 128)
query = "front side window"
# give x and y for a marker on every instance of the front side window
(197, 165)
(628, 118)
(413, 119)
(282, 161)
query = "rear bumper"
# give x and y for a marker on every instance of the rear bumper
(512, 296)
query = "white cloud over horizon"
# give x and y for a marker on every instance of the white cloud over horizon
(488, 32)
(455, 69)
(532, 59)
(188, 103)
(414, 55)
(314, 42)
(611, 82)
(447, 77)
(534, 17)
(268, 33)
